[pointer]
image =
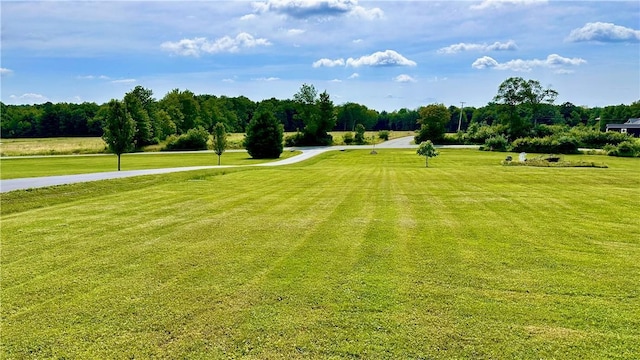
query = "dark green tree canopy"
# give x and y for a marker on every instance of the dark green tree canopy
(263, 139)
(433, 121)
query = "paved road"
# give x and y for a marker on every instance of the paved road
(307, 153)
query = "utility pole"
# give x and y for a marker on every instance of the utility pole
(461, 110)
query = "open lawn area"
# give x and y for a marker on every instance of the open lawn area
(15, 168)
(346, 255)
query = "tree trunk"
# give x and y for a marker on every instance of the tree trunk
(218, 160)
(118, 162)
(427, 161)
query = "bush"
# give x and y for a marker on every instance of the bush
(293, 140)
(347, 138)
(624, 149)
(478, 134)
(383, 134)
(194, 139)
(543, 130)
(590, 138)
(548, 144)
(496, 143)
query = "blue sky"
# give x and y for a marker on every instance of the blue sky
(383, 54)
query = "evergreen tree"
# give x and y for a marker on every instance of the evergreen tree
(263, 139)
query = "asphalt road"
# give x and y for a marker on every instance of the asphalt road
(307, 153)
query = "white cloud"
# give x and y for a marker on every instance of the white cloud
(496, 46)
(29, 98)
(354, 76)
(248, 17)
(335, 81)
(295, 31)
(93, 77)
(5, 71)
(357, 41)
(368, 14)
(317, 8)
(328, 63)
(123, 81)
(196, 46)
(228, 80)
(553, 61)
(381, 58)
(487, 4)
(266, 79)
(604, 32)
(404, 78)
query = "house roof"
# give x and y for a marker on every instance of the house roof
(633, 121)
(624, 126)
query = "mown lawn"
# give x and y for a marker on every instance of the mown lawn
(348, 255)
(15, 168)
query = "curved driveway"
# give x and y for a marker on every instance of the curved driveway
(307, 153)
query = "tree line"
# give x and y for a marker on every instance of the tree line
(181, 110)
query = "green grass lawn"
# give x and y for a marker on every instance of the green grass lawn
(14, 168)
(347, 255)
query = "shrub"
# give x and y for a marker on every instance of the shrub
(596, 139)
(194, 139)
(543, 130)
(347, 138)
(383, 134)
(548, 144)
(624, 149)
(478, 134)
(496, 143)
(302, 139)
(293, 140)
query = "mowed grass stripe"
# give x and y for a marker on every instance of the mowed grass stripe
(348, 255)
(16, 168)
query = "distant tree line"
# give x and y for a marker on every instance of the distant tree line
(181, 110)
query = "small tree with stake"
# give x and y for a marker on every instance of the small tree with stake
(119, 129)
(427, 150)
(219, 140)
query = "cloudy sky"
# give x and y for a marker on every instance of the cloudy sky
(383, 54)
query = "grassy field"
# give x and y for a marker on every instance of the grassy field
(15, 168)
(347, 255)
(52, 146)
(95, 145)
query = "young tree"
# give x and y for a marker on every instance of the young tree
(119, 129)
(359, 138)
(263, 139)
(427, 150)
(219, 140)
(433, 121)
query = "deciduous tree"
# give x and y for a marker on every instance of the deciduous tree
(433, 121)
(427, 150)
(219, 140)
(119, 129)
